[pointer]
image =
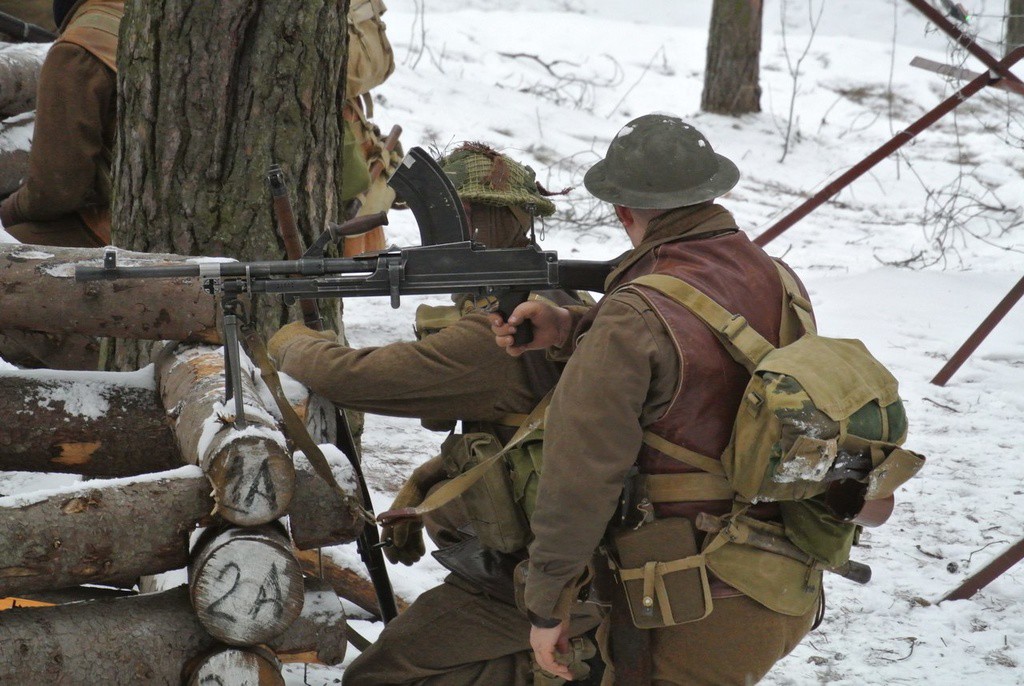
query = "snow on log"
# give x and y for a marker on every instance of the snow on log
(152, 639)
(245, 584)
(20, 64)
(41, 294)
(101, 424)
(251, 469)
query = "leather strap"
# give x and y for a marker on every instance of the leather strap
(293, 424)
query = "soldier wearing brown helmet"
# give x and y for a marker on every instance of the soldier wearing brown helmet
(467, 630)
(65, 200)
(647, 400)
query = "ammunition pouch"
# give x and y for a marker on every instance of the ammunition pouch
(499, 522)
(664, 577)
(779, 582)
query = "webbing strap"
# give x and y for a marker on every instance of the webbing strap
(453, 488)
(744, 344)
(684, 455)
(797, 302)
(295, 426)
(676, 488)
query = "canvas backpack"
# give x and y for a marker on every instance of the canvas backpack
(819, 429)
(371, 59)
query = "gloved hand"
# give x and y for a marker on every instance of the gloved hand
(290, 332)
(407, 536)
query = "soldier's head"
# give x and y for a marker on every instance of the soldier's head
(501, 196)
(656, 163)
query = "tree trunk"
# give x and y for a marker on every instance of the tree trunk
(1014, 26)
(263, 83)
(251, 469)
(245, 584)
(150, 639)
(20, 64)
(101, 424)
(733, 58)
(38, 283)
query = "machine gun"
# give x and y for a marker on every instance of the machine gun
(446, 262)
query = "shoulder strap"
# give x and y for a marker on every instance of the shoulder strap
(95, 28)
(800, 305)
(746, 346)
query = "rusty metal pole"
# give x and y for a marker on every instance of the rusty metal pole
(982, 332)
(857, 170)
(1002, 70)
(988, 573)
(897, 141)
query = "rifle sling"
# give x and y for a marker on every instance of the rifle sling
(293, 424)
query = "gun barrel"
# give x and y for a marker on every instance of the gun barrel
(27, 32)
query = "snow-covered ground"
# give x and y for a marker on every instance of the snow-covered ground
(552, 81)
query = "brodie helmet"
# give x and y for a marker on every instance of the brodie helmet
(658, 161)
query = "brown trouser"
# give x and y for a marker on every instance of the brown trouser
(736, 644)
(452, 635)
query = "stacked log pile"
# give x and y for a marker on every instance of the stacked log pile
(189, 489)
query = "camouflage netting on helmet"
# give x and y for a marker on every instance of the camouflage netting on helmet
(483, 175)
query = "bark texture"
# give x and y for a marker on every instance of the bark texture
(245, 584)
(147, 639)
(100, 424)
(108, 533)
(251, 469)
(40, 294)
(113, 532)
(20, 64)
(211, 92)
(317, 516)
(732, 69)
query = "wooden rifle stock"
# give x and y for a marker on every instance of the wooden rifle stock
(290, 235)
